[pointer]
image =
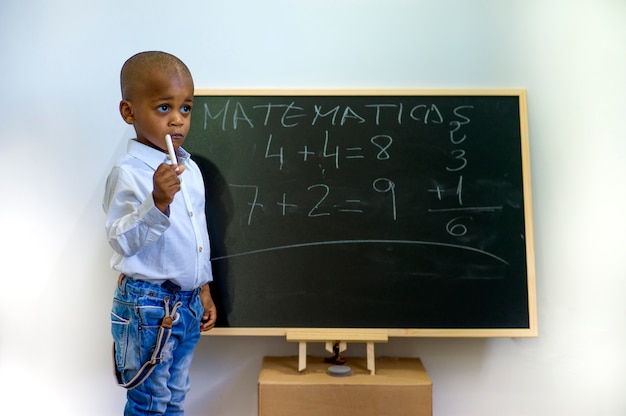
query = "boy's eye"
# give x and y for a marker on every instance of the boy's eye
(163, 108)
(186, 109)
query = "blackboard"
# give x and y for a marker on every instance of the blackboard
(408, 211)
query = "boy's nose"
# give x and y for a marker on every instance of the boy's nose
(176, 120)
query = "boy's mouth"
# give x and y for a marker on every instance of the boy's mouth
(176, 136)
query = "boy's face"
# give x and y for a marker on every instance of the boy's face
(160, 106)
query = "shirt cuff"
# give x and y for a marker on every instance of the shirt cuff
(153, 216)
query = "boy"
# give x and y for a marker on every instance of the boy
(156, 225)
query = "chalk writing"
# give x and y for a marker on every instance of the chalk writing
(337, 242)
(337, 158)
(387, 186)
(331, 149)
(289, 115)
(320, 204)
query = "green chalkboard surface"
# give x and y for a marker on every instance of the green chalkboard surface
(401, 210)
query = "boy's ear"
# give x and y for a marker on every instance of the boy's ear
(126, 110)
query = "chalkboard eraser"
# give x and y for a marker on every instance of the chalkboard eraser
(339, 370)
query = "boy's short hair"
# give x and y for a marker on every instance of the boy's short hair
(135, 68)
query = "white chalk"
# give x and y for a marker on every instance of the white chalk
(170, 150)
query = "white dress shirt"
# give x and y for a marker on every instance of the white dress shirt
(148, 244)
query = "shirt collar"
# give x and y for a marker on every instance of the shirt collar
(153, 157)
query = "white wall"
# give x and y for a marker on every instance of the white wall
(60, 132)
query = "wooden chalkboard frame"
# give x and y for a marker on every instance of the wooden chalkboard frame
(530, 331)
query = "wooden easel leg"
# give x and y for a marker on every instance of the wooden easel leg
(302, 356)
(371, 358)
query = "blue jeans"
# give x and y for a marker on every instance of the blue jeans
(138, 308)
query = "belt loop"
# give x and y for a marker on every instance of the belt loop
(121, 283)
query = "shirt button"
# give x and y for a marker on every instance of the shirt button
(200, 249)
(191, 213)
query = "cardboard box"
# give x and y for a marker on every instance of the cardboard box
(401, 386)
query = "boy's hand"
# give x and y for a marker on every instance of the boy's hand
(210, 312)
(166, 183)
